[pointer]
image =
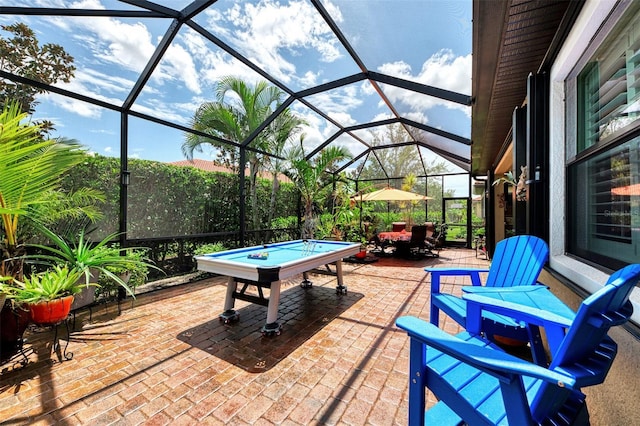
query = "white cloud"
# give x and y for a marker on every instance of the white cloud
(108, 149)
(160, 109)
(309, 79)
(268, 32)
(417, 116)
(342, 118)
(80, 108)
(447, 71)
(382, 116)
(117, 42)
(443, 70)
(220, 66)
(397, 69)
(367, 88)
(178, 64)
(100, 82)
(129, 46)
(354, 146)
(92, 83)
(338, 103)
(264, 32)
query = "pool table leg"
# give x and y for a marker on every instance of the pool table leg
(229, 313)
(272, 326)
(340, 288)
(306, 282)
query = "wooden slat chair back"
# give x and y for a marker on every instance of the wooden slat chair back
(517, 261)
(476, 383)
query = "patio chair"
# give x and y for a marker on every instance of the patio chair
(433, 240)
(381, 247)
(436, 238)
(517, 261)
(477, 383)
(417, 247)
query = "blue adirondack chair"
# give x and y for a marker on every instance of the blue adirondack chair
(477, 383)
(517, 261)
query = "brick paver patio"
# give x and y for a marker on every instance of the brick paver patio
(340, 360)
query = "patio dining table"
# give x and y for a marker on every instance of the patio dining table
(394, 236)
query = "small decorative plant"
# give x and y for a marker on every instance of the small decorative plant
(54, 283)
(48, 295)
(133, 270)
(520, 185)
(209, 248)
(83, 256)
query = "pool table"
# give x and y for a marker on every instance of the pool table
(266, 265)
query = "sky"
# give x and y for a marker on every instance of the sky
(424, 41)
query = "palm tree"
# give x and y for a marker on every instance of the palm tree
(30, 173)
(284, 128)
(408, 183)
(309, 177)
(238, 111)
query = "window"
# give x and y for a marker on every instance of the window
(609, 88)
(604, 212)
(603, 186)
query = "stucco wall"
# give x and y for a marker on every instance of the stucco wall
(617, 400)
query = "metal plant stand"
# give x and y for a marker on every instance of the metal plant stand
(23, 350)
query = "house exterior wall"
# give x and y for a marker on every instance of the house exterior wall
(616, 401)
(589, 278)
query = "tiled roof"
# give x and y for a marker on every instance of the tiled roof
(211, 166)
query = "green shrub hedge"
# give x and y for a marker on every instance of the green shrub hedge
(165, 200)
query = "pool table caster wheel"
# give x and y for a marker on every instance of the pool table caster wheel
(229, 316)
(271, 329)
(341, 289)
(306, 284)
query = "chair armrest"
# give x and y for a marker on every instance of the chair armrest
(491, 361)
(456, 271)
(436, 273)
(516, 289)
(520, 312)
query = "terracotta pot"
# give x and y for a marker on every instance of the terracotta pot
(52, 312)
(361, 255)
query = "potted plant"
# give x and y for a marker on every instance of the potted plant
(133, 271)
(520, 184)
(363, 249)
(48, 294)
(84, 256)
(2, 295)
(14, 320)
(31, 168)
